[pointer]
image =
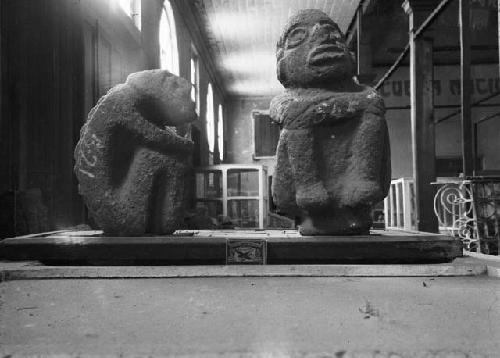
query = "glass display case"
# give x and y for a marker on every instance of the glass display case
(236, 191)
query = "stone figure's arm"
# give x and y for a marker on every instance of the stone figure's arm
(299, 112)
(295, 113)
(333, 110)
(162, 140)
(278, 108)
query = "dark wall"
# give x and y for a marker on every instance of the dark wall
(240, 131)
(57, 58)
(42, 102)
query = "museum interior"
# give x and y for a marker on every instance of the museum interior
(59, 57)
(248, 178)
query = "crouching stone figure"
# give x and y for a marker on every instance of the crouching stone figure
(333, 157)
(130, 162)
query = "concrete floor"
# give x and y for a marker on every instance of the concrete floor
(268, 316)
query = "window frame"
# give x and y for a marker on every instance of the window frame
(254, 146)
(220, 131)
(195, 82)
(210, 114)
(167, 17)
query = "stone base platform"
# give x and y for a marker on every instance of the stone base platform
(274, 247)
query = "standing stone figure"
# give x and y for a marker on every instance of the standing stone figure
(333, 155)
(130, 165)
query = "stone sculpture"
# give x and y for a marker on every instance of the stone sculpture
(130, 164)
(333, 155)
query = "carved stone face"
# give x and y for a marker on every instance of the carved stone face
(175, 95)
(312, 51)
(166, 97)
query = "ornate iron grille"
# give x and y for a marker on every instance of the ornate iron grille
(470, 209)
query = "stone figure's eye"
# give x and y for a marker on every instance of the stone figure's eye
(296, 36)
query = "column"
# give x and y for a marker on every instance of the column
(363, 48)
(422, 115)
(468, 147)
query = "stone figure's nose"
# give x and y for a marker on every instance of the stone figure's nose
(323, 33)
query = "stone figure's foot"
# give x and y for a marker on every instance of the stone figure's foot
(312, 197)
(341, 222)
(356, 192)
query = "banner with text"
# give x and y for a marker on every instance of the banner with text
(484, 81)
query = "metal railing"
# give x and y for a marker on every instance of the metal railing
(469, 208)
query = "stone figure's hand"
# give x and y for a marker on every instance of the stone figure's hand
(335, 111)
(175, 141)
(321, 112)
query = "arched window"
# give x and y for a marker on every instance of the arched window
(220, 134)
(169, 55)
(195, 80)
(210, 119)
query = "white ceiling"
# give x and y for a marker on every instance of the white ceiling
(242, 35)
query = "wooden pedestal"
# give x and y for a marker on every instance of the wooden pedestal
(230, 247)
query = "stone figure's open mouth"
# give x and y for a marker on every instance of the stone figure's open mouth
(325, 55)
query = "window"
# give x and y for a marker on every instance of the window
(133, 9)
(195, 89)
(220, 133)
(169, 56)
(210, 119)
(266, 134)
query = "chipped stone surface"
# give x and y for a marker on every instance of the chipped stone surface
(130, 162)
(333, 155)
